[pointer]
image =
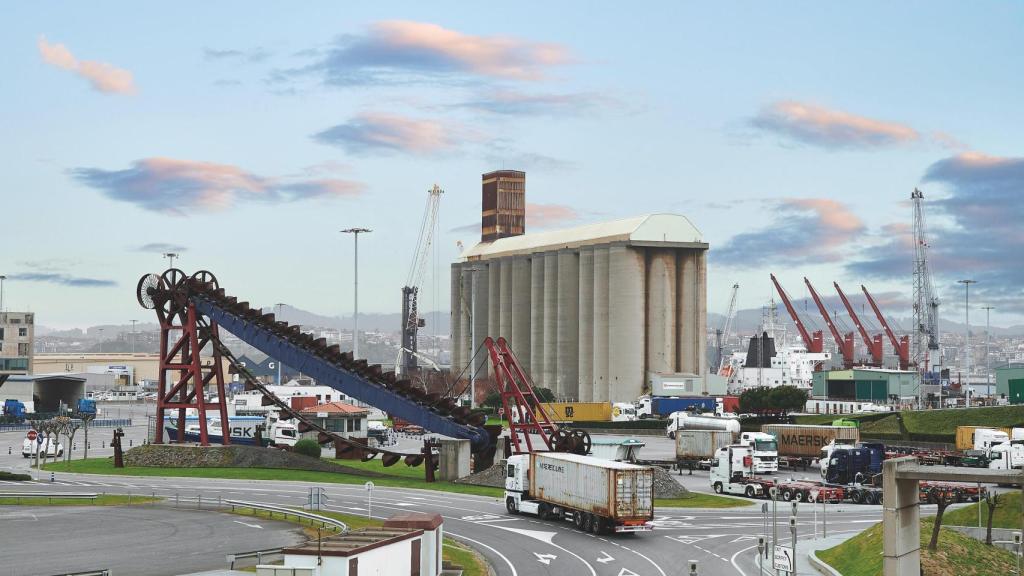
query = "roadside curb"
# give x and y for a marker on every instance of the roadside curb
(820, 564)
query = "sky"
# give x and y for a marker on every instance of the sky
(244, 136)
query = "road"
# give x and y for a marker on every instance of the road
(145, 541)
(721, 540)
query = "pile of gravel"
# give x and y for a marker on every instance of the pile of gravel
(664, 485)
(192, 456)
(493, 476)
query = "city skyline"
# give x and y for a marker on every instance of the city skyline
(247, 149)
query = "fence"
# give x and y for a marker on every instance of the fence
(104, 423)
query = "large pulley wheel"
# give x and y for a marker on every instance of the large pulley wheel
(173, 278)
(145, 289)
(205, 279)
(581, 442)
(560, 440)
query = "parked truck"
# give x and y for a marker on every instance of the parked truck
(14, 408)
(599, 496)
(980, 437)
(697, 448)
(663, 406)
(800, 445)
(765, 451)
(685, 421)
(86, 406)
(731, 473)
(590, 411)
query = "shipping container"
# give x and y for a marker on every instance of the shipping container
(806, 441)
(579, 411)
(599, 495)
(299, 403)
(965, 435)
(699, 445)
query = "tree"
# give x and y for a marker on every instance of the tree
(86, 420)
(942, 499)
(544, 394)
(493, 400)
(755, 400)
(787, 399)
(307, 447)
(992, 502)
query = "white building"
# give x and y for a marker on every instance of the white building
(17, 332)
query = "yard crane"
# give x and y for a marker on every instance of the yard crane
(874, 344)
(411, 322)
(723, 333)
(901, 346)
(844, 343)
(926, 303)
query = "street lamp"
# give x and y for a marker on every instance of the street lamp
(988, 338)
(279, 306)
(170, 257)
(133, 335)
(967, 344)
(2, 278)
(355, 321)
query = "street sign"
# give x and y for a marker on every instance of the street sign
(31, 435)
(783, 559)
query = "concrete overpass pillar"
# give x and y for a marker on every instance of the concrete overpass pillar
(901, 521)
(453, 459)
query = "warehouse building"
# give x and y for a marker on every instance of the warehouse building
(1010, 383)
(595, 313)
(875, 385)
(17, 331)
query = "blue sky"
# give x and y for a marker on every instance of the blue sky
(246, 135)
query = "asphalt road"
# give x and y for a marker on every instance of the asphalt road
(144, 541)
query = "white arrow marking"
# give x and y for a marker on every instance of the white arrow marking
(545, 558)
(535, 534)
(606, 558)
(249, 525)
(627, 572)
(742, 538)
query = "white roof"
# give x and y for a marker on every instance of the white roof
(576, 458)
(650, 228)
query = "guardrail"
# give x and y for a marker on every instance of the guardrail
(98, 423)
(51, 495)
(286, 512)
(91, 573)
(259, 555)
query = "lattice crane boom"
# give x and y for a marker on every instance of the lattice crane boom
(926, 303)
(874, 345)
(845, 344)
(411, 322)
(725, 331)
(901, 345)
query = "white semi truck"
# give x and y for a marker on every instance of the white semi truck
(765, 451)
(599, 496)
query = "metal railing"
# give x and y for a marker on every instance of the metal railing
(51, 495)
(89, 573)
(259, 555)
(286, 512)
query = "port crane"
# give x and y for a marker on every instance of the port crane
(926, 303)
(902, 345)
(844, 343)
(874, 344)
(723, 333)
(411, 322)
(813, 342)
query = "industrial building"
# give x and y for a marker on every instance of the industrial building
(1010, 383)
(44, 392)
(17, 332)
(504, 205)
(876, 385)
(128, 368)
(595, 313)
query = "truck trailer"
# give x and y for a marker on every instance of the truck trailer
(800, 445)
(598, 496)
(663, 406)
(696, 448)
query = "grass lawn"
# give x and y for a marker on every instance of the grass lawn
(699, 500)
(944, 422)
(376, 465)
(1007, 515)
(956, 554)
(454, 551)
(101, 500)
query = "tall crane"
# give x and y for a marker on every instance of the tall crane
(723, 333)
(411, 322)
(815, 342)
(901, 346)
(926, 303)
(844, 343)
(874, 344)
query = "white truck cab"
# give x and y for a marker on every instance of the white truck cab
(1006, 457)
(987, 438)
(765, 451)
(284, 433)
(730, 467)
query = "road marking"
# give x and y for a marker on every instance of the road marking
(627, 572)
(742, 539)
(606, 558)
(478, 543)
(249, 525)
(545, 558)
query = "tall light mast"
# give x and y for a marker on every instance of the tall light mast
(926, 303)
(411, 322)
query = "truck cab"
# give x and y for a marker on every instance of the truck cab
(1006, 457)
(730, 469)
(517, 485)
(765, 451)
(986, 438)
(283, 433)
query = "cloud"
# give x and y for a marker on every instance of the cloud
(516, 103)
(161, 248)
(176, 187)
(62, 280)
(531, 162)
(973, 231)
(403, 50)
(474, 227)
(549, 215)
(254, 55)
(832, 129)
(103, 77)
(802, 231)
(375, 132)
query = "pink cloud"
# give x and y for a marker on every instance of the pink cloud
(103, 77)
(370, 132)
(177, 187)
(549, 215)
(819, 126)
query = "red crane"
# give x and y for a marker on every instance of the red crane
(874, 344)
(814, 343)
(845, 343)
(901, 346)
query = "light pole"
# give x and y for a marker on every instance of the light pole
(2, 278)
(988, 339)
(355, 318)
(170, 257)
(133, 334)
(279, 306)
(967, 344)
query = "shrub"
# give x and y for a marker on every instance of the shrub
(15, 477)
(307, 447)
